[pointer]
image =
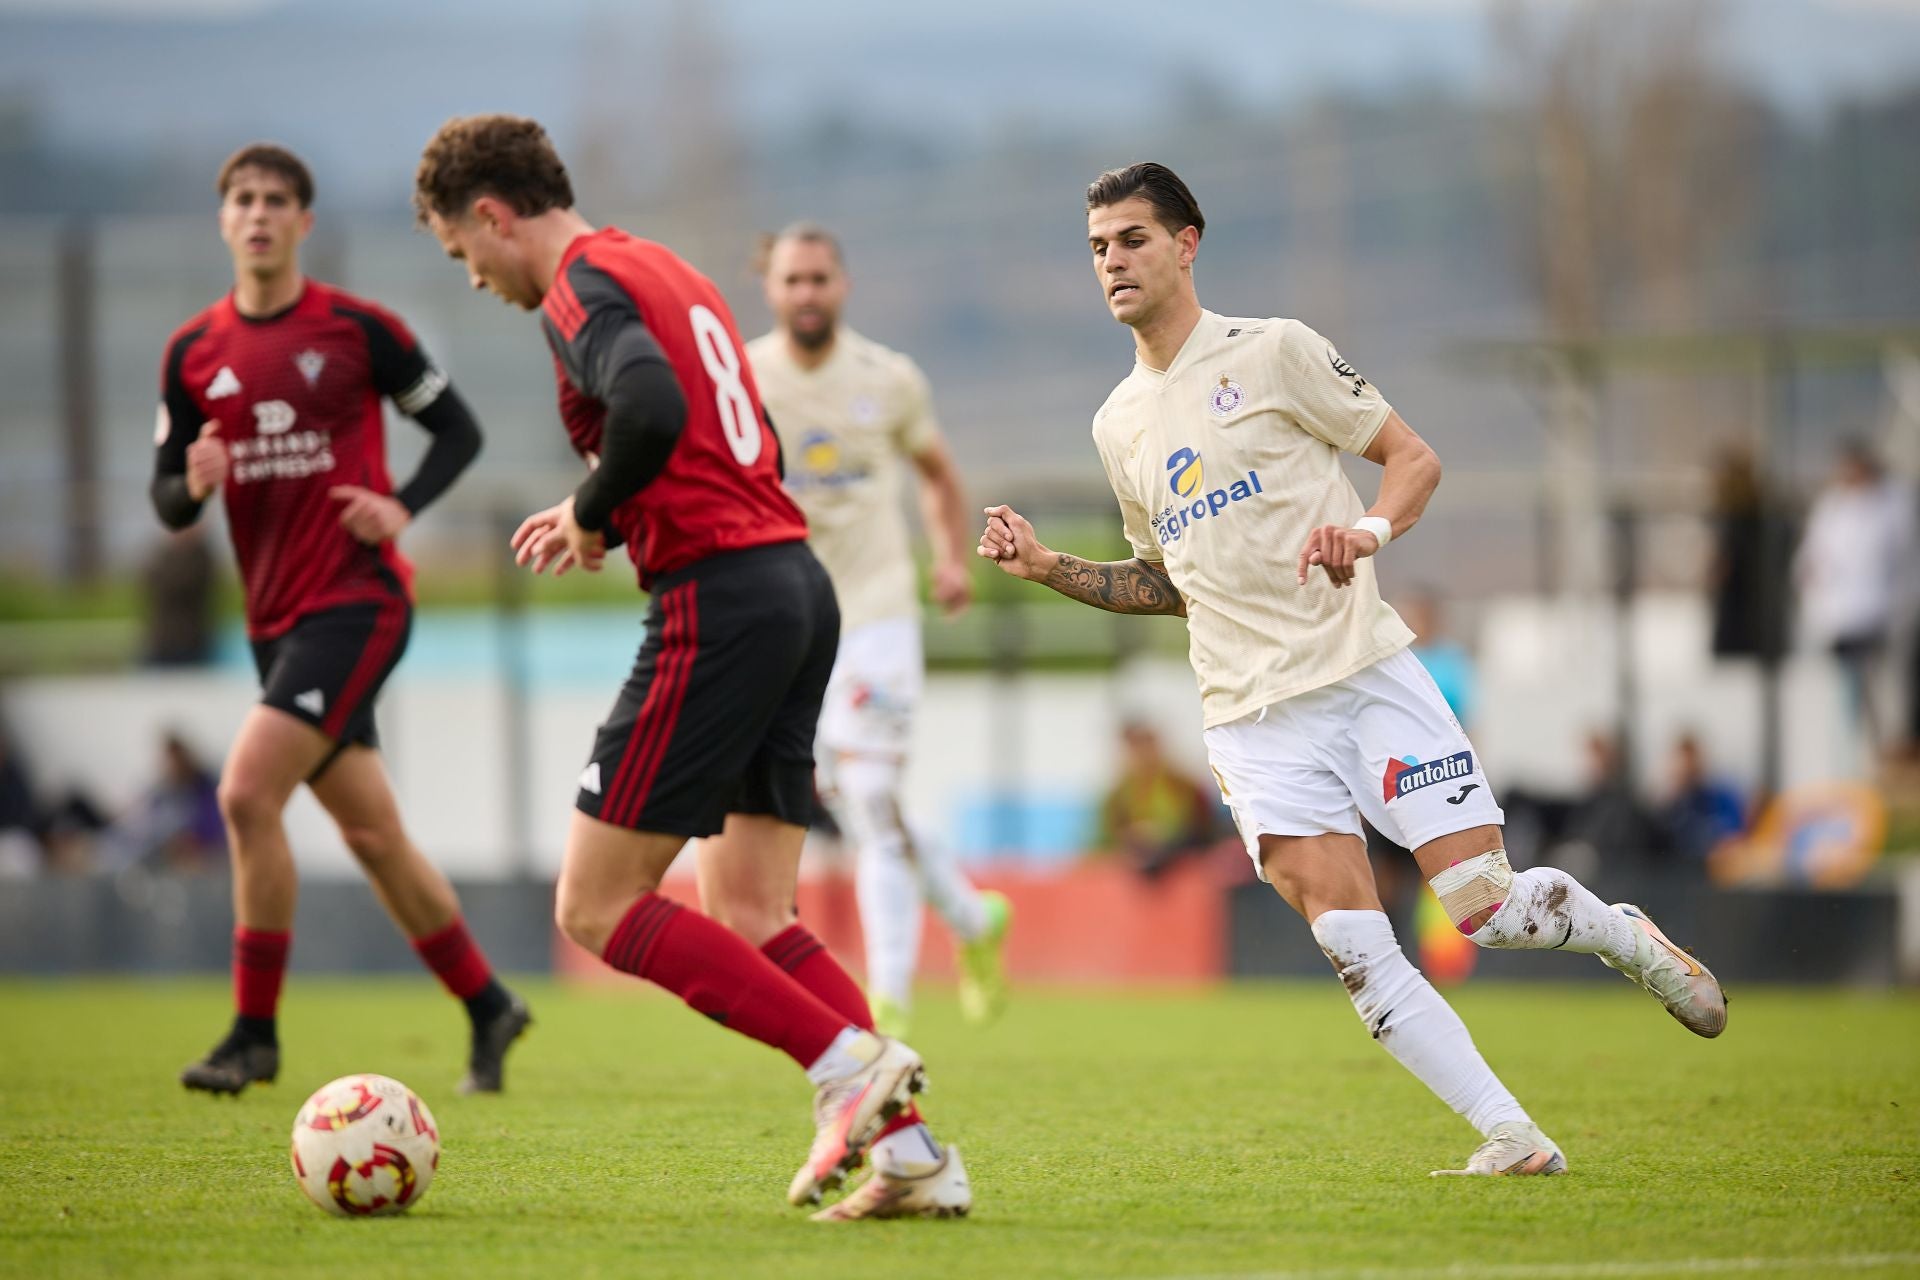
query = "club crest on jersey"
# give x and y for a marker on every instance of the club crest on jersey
(1407, 775)
(310, 363)
(1225, 397)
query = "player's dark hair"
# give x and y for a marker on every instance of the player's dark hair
(507, 157)
(270, 157)
(1173, 205)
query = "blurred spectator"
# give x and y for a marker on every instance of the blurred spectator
(1847, 571)
(177, 580)
(1608, 821)
(176, 825)
(70, 831)
(1154, 815)
(1703, 810)
(1447, 660)
(1750, 538)
(33, 837)
(20, 852)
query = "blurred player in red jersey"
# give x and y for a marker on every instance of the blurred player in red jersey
(712, 735)
(271, 396)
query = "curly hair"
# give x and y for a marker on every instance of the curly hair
(507, 157)
(268, 157)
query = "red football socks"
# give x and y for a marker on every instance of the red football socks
(718, 973)
(796, 950)
(456, 959)
(259, 965)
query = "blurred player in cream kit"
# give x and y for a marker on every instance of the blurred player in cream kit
(1223, 447)
(848, 412)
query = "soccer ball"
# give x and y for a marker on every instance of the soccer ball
(365, 1145)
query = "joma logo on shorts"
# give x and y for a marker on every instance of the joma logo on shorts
(1404, 776)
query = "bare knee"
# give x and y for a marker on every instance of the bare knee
(587, 921)
(374, 845)
(1317, 874)
(248, 807)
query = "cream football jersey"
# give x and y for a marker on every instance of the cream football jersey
(1223, 464)
(847, 427)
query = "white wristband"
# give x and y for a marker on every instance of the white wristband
(1379, 526)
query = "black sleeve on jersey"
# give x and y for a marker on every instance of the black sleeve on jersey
(779, 450)
(645, 415)
(420, 390)
(615, 360)
(175, 506)
(456, 443)
(400, 372)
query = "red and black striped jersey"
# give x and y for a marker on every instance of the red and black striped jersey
(720, 489)
(297, 396)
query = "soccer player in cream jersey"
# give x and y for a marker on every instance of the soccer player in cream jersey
(848, 410)
(1223, 447)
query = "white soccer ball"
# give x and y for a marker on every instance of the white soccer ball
(365, 1145)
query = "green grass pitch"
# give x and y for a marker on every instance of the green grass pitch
(1250, 1131)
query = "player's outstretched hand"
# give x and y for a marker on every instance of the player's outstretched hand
(952, 587)
(554, 538)
(1008, 541)
(372, 518)
(1336, 549)
(206, 461)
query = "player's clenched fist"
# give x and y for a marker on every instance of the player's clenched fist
(1008, 541)
(951, 587)
(206, 461)
(370, 517)
(1336, 549)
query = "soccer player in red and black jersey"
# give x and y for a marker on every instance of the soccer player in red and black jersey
(271, 397)
(712, 735)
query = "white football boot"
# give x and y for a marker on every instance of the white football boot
(941, 1193)
(849, 1113)
(1686, 987)
(1513, 1149)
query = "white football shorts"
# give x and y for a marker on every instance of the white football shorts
(1381, 742)
(873, 691)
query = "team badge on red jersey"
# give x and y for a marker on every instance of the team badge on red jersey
(310, 363)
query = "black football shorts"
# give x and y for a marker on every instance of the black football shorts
(718, 716)
(329, 667)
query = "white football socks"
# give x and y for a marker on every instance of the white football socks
(852, 1050)
(908, 1153)
(1410, 1019)
(895, 874)
(1547, 909)
(888, 893)
(951, 895)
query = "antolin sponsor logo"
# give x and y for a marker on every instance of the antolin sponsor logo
(1409, 775)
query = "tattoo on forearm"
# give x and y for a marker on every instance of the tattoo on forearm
(1123, 586)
